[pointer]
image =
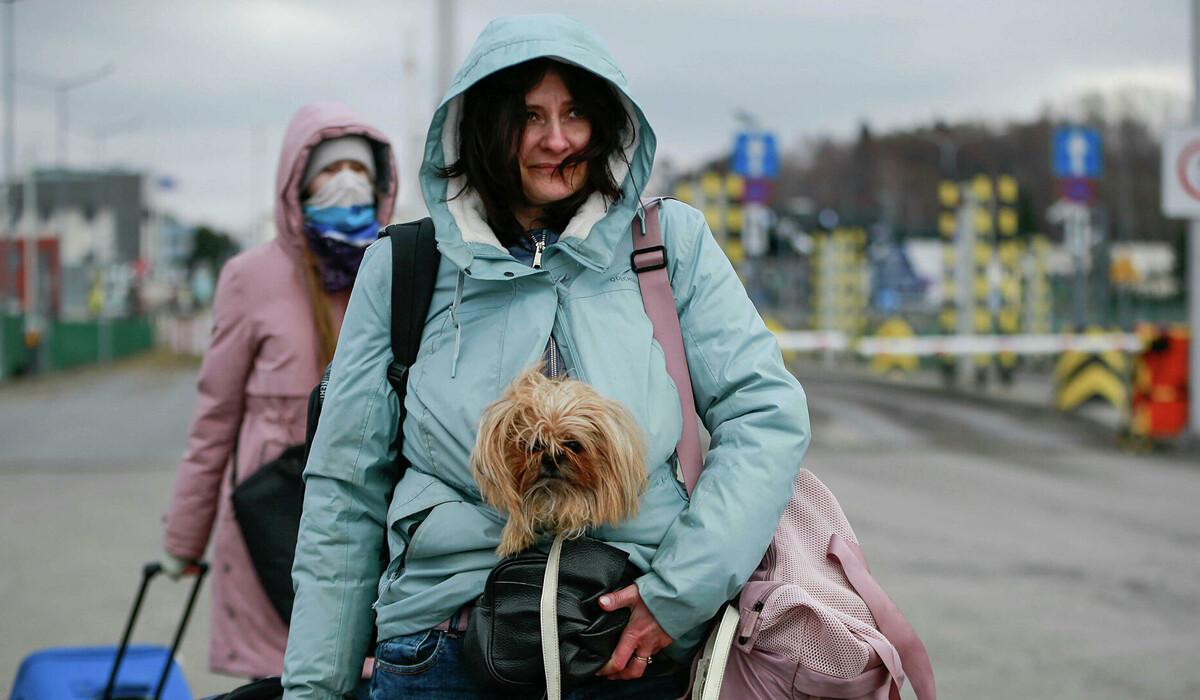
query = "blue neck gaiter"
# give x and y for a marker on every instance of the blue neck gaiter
(339, 236)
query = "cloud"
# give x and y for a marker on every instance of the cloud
(202, 78)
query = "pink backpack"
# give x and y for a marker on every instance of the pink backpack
(811, 622)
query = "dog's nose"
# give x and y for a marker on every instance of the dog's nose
(549, 467)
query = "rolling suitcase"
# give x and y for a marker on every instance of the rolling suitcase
(124, 672)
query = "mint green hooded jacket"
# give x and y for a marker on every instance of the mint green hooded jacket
(490, 319)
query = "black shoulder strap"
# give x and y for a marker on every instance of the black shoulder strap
(415, 260)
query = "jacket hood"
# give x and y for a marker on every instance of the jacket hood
(312, 124)
(591, 236)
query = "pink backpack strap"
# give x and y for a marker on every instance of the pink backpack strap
(891, 622)
(649, 261)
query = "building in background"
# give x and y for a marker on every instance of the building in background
(84, 255)
(106, 247)
(89, 228)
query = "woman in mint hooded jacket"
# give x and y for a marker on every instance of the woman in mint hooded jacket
(542, 273)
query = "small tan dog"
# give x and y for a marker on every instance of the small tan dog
(556, 456)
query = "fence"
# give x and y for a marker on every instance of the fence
(66, 344)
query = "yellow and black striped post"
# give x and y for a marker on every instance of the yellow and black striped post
(981, 311)
(734, 188)
(853, 281)
(685, 191)
(820, 281)
(948, 198)
(839, 281)
(719, 198)
(1010, 252)
(1039, 299)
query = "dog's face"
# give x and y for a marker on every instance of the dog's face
(556, 456)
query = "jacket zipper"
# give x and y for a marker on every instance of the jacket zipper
(539, 246)
(553, 357)
(560, 333)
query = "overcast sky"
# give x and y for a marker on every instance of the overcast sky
(202, 89)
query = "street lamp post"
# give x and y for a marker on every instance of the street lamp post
(62, 88)
(5, 218)
(1193, 248)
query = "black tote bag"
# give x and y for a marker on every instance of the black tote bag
(267, 507)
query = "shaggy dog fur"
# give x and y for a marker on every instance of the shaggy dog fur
(556, 456)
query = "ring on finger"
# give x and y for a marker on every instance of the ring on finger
(644, 659)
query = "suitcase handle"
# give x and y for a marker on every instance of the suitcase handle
(149, 571)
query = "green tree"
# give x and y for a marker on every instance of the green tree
(211, 247)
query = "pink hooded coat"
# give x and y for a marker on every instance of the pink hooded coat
(253, 391)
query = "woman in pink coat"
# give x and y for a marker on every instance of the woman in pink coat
(276, 316)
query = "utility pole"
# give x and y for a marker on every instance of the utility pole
(62, 88)
(10, 74)
(446, 16)
(6, 272)
(1193, 248)
(424, 72)
(33, 322)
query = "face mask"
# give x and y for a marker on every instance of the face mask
(345, 189)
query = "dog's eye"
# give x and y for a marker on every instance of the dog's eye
(573, 446)
(533, 448)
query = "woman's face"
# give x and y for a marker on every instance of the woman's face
(553, 131)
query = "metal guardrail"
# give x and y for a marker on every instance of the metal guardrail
(870, 346)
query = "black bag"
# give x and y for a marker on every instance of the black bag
(502, 644)
(267, 506)
(265, 689)
(268, 503)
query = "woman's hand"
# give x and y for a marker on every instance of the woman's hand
(641, 640)
(174, 567)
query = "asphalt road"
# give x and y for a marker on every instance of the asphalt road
(1034, 557)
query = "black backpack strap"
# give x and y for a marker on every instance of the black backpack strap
(415, 260)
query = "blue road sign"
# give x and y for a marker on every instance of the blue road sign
(1076, 152)
(755, 155)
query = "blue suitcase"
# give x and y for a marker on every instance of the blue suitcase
(124, 672)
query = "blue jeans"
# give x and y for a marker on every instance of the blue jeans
(429, 665)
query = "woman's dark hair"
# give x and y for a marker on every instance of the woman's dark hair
(489, 135)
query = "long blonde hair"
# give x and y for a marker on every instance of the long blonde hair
(319, 303)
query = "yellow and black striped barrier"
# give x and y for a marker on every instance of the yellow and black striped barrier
(897, 363)
(1081, 377)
